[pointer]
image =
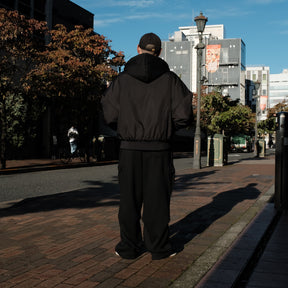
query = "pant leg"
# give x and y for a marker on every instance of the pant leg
(73, 146)
(158, 173)
(130, 180)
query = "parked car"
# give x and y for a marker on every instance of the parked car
(241, 143)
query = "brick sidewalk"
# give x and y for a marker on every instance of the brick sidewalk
(67, 240)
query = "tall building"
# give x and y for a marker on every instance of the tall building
(179, 55)
(278, 88)
(224, 60)
(228, 71)
(53, 12)
(260, 100)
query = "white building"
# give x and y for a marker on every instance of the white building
(260, 74)
(191, 34)
(278, 88)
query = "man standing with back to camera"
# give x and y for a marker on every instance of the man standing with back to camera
(148, 103)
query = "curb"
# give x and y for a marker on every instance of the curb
(203, 273)
(45, 167)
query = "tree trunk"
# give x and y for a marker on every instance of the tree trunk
(3, 136)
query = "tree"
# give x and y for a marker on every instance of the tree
(76, 64)
(69, 73)
(73, 72)
(220, 114)
(20, 40)
(269, 125)
(283, 106)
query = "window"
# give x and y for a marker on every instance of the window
(224, 55)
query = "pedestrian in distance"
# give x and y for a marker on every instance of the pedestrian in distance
(73, 138)
(148, 102)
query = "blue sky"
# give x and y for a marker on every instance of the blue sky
(261, 24)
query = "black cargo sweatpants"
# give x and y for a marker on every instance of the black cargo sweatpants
(146, 180)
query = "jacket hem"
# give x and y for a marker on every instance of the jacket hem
(145, 145)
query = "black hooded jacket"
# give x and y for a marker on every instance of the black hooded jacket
(148, 102)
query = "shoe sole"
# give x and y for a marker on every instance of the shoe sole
(170, 256)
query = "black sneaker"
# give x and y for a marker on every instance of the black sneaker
(130, 257)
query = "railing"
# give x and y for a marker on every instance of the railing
(229, 61)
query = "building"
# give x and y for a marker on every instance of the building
(179, 55)
(278, 88)
(260, 99)
(228, 71)
(53, 12)
(224, 60)
(183, 60)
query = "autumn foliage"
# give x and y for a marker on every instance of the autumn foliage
(75, 64)
(39, 69)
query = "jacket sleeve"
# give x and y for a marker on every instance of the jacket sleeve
(110, 104)
(182, 112)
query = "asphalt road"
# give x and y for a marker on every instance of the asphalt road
(26, 185)
(34, 184)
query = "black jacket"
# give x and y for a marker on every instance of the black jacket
(148, 102)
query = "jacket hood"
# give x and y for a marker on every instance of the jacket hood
(146, 67)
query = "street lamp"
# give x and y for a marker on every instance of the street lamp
(256, 87)
(200, 22)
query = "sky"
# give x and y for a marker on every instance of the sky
(261, 24)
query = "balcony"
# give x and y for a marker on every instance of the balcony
(229, 61)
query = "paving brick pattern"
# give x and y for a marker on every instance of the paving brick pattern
(52, 241)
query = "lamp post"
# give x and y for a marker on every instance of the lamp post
(200, 22)
(256, 86)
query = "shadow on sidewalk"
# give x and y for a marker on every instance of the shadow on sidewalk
(96, 195)
(196, 222)
(191, 181)
(101, 194)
